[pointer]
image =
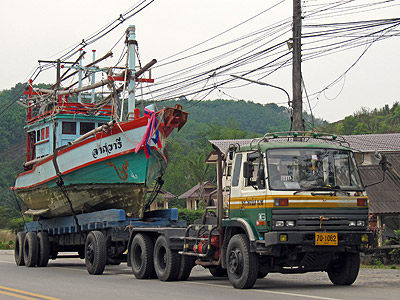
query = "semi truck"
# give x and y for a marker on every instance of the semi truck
(290, 202)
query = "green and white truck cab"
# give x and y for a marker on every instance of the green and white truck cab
(299, 204)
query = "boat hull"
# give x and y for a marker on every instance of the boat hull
(99, 173)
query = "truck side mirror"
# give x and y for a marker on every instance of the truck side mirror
(231, 154)
(248, 169)
(383, 163)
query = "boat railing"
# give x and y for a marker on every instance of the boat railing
(73, 108)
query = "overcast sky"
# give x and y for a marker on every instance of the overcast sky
(42, 29)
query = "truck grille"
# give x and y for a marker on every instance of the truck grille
(320, 219)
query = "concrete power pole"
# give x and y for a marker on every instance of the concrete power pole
(296, 75)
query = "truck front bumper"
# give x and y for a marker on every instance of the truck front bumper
(307, 238)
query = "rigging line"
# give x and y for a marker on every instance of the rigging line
(225, 66)
(308, 100)
(348, 69)
(354, 9)
(267, 32)
(92, 40)
(245, 21)
(221, 56)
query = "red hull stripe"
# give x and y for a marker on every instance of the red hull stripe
(115, 130)
(74, 169)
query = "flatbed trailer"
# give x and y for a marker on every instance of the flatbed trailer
(100, 238)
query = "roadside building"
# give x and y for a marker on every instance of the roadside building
(161, 202)
(198, 193)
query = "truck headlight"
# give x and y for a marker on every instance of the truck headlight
(280, 223)
(360, 223)
(352, 223)
(290, 223)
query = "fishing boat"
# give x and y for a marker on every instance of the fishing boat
(85, 156)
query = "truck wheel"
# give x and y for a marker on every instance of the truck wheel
(166, 261)
(218, 271)
(19, 249)
(31, 249)
(344, 270)
(95, 253)
(141, 256)
(187, 264)
(242, 265)
(44, 249)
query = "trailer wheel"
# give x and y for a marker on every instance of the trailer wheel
(166, 261)
(44, 249)
(141, 256)
(95, 253)
(344, 270)
(31, 249)
(19, 249)
(186, 266)
(242, 265)
(218, 271)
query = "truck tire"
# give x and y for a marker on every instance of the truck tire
(31, 249)
(166, 261)
(218, 271)
(95, 253)
(344, 270)
(242, 265)
(141, 256)
(44, 249)
(19, 249)
(187, 264)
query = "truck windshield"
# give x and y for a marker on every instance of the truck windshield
(312, 169)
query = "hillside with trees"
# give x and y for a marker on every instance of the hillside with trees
(365, 121)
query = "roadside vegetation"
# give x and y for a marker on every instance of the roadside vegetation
(6, 239)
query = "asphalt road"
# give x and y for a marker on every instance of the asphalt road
(68, 279)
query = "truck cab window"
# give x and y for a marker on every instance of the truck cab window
(257, 178)
(236, 170)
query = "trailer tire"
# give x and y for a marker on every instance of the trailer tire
(44, 249)
(31, 249)
(166, 261)
(141, 256)
(19, 249)
(95, 253)
(242, 265)
(344, 270)
(218, 271)
(186, 266)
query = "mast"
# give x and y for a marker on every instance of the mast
(296, 75)
(131, 65)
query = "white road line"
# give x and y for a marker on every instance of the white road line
(266, 292)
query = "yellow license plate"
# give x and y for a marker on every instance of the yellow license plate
(326, 239)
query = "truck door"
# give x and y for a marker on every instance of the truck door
(248, 195)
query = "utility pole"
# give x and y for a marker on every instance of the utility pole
(297, 103)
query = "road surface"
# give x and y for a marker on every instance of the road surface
(67, 279)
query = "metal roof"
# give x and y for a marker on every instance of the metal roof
(384, 196)
(194, 191)
(359, 143)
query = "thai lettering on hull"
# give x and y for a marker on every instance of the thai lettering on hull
(107, 149)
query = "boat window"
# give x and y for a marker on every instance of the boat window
(86, 127)
(68, 127)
